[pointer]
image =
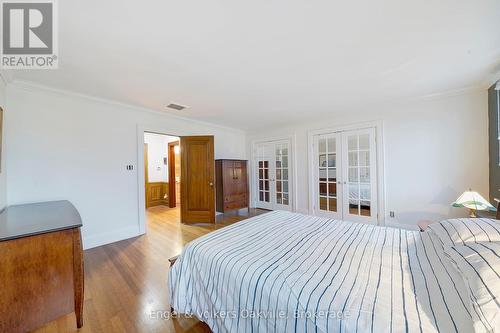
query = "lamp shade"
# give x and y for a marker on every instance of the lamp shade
(473, 200)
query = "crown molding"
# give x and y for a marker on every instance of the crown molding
(449, 93)
(32, 86)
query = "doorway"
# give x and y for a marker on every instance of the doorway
(174, 173)
(162, 182)
(344, 175)
(180, 173)
(273, 175)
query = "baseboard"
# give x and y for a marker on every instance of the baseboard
(158, 203)
(90, 242)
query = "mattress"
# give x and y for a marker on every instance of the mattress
(288, 272)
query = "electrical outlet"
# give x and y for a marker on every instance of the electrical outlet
(130, 167)
(391, 214)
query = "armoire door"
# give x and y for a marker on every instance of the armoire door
(273, 175)
(240, 180)
(344, 175)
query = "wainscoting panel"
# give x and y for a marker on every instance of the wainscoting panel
(156, 194)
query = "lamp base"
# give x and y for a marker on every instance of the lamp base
(472, 213)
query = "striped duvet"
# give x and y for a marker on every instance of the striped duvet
(288, 272)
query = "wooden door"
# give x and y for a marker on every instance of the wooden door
(146, 173)
(172, 198)
(197, 174)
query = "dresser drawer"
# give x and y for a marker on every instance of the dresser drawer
(235, 197)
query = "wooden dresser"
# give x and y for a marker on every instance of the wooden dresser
(231, 185)
(41, 265)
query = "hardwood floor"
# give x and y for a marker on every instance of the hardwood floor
(127, 280)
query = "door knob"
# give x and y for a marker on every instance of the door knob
(211, 184)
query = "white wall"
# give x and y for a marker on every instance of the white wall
(67, 146)
(434, 150)
(3, 173)
(157, 151)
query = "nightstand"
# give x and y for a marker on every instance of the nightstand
(423, 224)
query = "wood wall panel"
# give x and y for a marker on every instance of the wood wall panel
(156, 194)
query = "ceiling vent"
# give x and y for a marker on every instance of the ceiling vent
(176, 106)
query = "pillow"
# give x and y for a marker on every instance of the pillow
(479, 265)
(468, 230)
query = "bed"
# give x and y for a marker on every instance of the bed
(288, 272)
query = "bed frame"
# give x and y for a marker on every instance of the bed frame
(172, 262)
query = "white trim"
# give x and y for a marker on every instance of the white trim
(33, 87)
(292, 140)
(443, 94)
(379, 132)
(141, 195)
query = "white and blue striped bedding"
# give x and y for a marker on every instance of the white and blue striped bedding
(479, 264)
(288, 272)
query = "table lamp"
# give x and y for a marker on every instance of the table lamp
(473, 201)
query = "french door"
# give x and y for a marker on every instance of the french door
(345, 175)
(273, 177)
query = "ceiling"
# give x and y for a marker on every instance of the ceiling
(249, 64)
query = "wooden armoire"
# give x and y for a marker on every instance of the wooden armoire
(231, 185)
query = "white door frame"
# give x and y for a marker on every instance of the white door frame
(379, 139)
(141, 195)
(291, 139)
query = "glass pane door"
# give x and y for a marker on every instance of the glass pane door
(360, 187)
(263, 181)
(282, 173)
(273, 167)
(327, 168)
(344, 174)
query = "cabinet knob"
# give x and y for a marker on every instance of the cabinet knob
(211, 184)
